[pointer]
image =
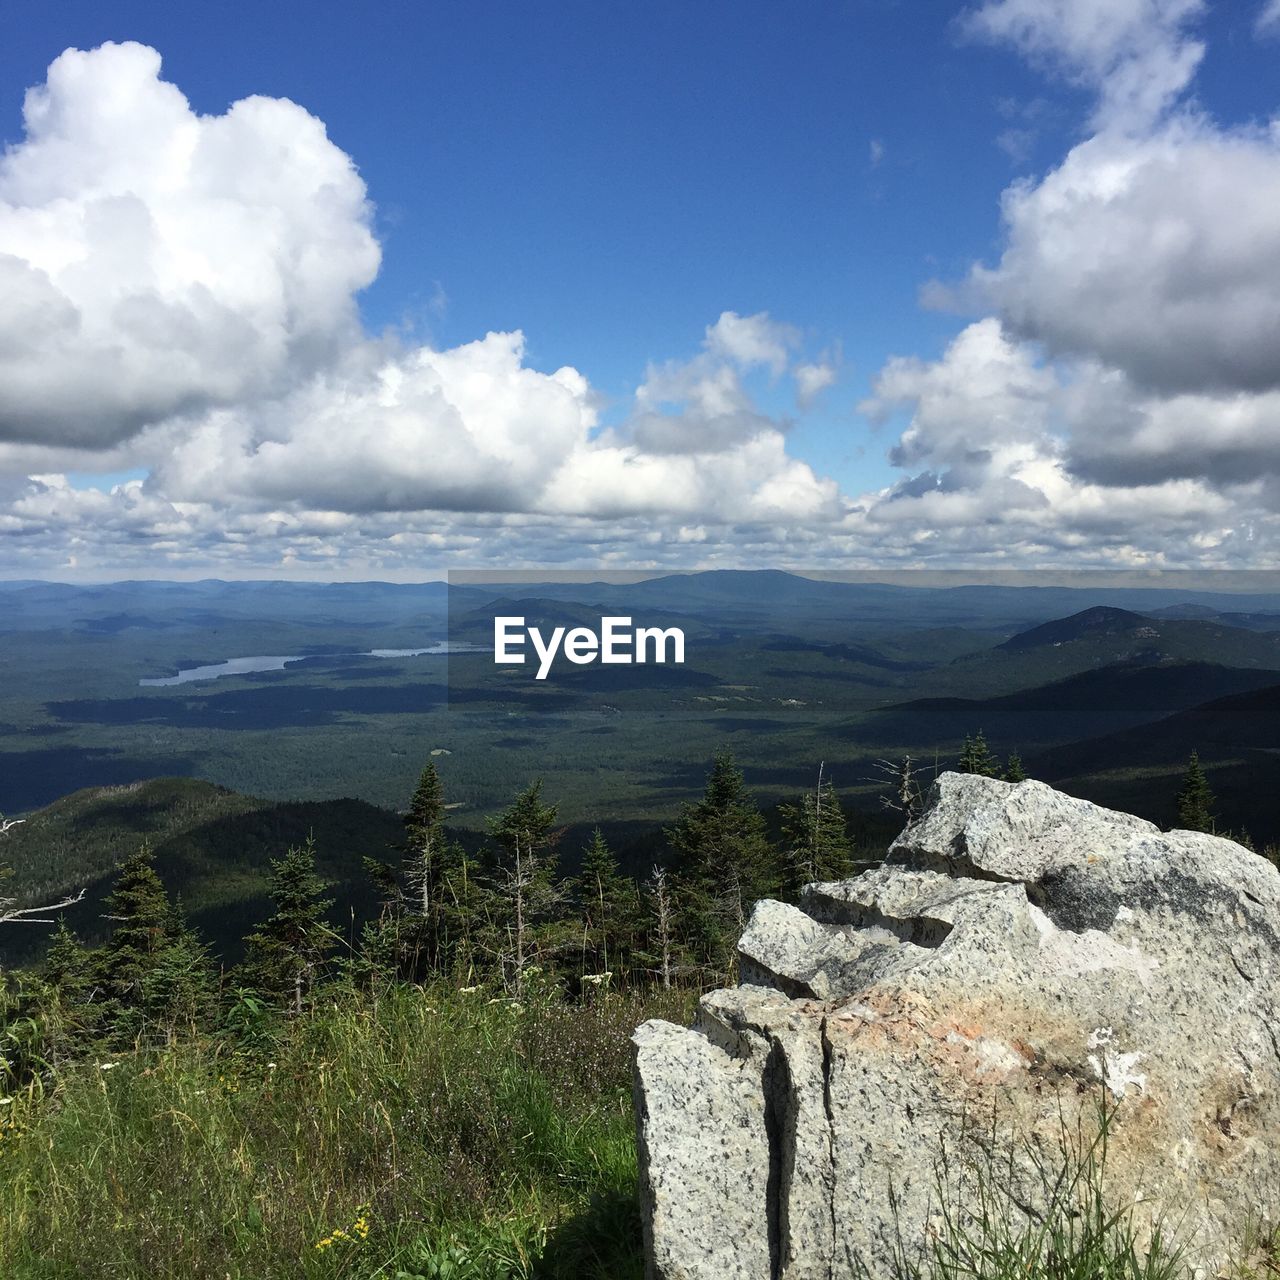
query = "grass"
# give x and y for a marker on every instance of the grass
(418, 1132)
(443, 1134)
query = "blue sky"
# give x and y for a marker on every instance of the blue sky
(610, 181)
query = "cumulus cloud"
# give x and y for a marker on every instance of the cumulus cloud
(189, 284)
(752, 340)
(467, 429)
(1135, 55)
(1124, 399)
(154, 261)
(1157, 255)
(814, 377)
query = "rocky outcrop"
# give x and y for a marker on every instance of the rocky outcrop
(1022, 962)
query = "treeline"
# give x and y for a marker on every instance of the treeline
(500, 914)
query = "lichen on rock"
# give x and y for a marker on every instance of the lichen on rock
(1022, 962)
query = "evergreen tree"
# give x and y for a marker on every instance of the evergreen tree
(179, 991)
(816, 836)
(73, 1012)
(527, 894)
(724, 862)
(608, 902)
(424, 826)
(976, 757)
(1013, 771)
(665, 953)
(1195, 799)
(285, 956)
(467, 907)
(139, 908)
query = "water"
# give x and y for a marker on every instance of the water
(278, 662)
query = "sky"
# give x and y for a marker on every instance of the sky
(333, 291)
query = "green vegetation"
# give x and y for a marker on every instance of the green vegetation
(1195, 799)
(391, 1131)
(446, 1094)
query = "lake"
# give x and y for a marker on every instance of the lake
(278, 662)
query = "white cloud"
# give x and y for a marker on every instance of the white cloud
(1122, 408)
(813, 379)
(1157, 255)
(154, 261)
(985, 394)
(752, 340)
(1135, 55)
(1269, 18)
(468, 429)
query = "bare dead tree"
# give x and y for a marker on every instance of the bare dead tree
(660, 889)
(904, 795)
(11, 913)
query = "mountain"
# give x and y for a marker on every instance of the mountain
(212, 847)
(1237, 738)
(1204, 613)
(1086, 705)
(1100, 621)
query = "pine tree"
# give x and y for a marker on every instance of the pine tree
(976, 757)
(1195, 799)
(467, 909)
(665, 953)
(73, 1012)
(524, 882)
(285, 955)
(816, 836)
(424, 826)
(1013, 770)
(139, 908)
(179, 992)
(607, 900)
(724, 862)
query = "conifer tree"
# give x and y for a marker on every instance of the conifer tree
(1195, 800)
(607, 900)
(665, 953)
(139, 908)
(816, 836)
(524, 882)
(179, 991)
(976, 757)
(724, 862)
(424, 827)
(1013, 770)
(285, 955)
(70, 970)
(903, 795)
(466, 911)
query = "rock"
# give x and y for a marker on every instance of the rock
(1021, 960)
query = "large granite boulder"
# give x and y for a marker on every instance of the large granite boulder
(1022, 964)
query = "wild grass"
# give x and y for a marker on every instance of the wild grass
(432, 1132)
(440, 1134)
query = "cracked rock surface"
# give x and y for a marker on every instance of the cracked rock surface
(1020, 958)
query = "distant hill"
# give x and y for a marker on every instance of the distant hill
(1204, 613)
(1098, 637)
(1086, 705)
(1101, 620)
(212, 847)
(1237, 737)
